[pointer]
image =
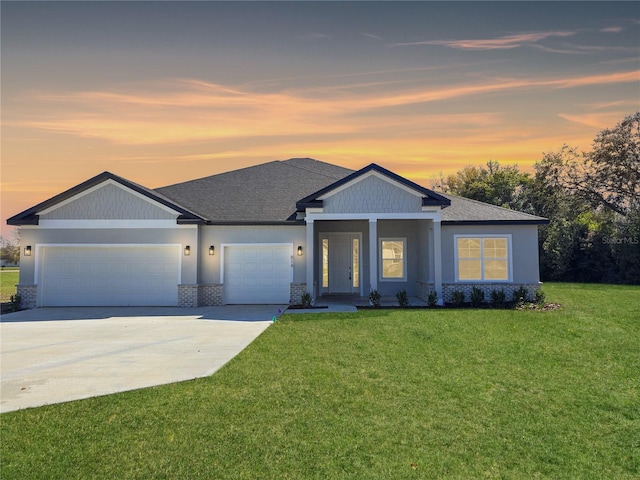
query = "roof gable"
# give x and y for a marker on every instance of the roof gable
(426, 197)
(105, 196)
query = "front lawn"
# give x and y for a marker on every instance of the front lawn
(375, 395)
(8, 281)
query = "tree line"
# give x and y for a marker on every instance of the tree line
(592, 201)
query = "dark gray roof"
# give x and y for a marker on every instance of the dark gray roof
(464, 211)
(261, 194)
(268, 193)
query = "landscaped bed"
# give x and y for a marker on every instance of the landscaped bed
(442, 393)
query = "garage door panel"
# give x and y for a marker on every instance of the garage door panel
(109, 275)
(257, 275)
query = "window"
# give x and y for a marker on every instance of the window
(355, 256)
(483, 258)
(394, 262)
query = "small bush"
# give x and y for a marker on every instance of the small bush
(16, 302)
(305, 299)
(457, 298)
(374, 298)
(432, 299)
(498, 297)
(403, 299)
(539, 296)
(477, 297)
(520, 295)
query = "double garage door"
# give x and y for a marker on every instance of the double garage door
(109, 275)
(149, 275)
(257, 274)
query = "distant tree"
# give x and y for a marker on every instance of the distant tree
(10, 250)
(609, 175)
(497, 185)
(593, 202)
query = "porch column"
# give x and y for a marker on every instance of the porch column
(437, 260)
(309, 254)
(373, 253)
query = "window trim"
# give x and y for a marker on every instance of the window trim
(381, 277)
(482, 236)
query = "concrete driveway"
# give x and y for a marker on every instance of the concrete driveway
(53, 355)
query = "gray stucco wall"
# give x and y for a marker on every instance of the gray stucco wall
(401, 229)
(524, 242)
(372, 195)
(107, 203)
(183, 235)
(216, 235)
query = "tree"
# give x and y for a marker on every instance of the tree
(497, 185)
(609, 175)
(10, 251)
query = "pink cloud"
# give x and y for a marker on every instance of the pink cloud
(500, 43)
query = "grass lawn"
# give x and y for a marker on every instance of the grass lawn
(8, 282)
(374, 395)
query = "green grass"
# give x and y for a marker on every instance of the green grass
(375, 395)
(8, 282)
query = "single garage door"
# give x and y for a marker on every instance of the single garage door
(110, 275)
(257, 274)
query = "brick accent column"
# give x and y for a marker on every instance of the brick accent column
(210, 295)
(28, 295)
(296, 291)
(187, 295)
(423, 289)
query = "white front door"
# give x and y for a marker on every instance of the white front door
(341, 263)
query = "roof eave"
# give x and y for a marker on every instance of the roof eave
(542, 221)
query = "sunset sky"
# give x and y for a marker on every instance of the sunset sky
(162, 92)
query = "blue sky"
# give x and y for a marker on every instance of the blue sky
(161, 92)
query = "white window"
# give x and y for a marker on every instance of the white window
(483, 257)
(393, 259)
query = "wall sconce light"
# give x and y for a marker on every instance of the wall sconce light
(187, 251)
(212, 250)
(27, 251)
(299, 250)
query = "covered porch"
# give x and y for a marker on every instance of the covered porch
(350, 255)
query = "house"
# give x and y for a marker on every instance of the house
(267, 234)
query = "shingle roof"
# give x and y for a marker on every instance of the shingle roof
(261, 194)
(464, 211)
(268, 194)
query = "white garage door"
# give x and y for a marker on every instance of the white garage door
(109, 275)
(257, 274)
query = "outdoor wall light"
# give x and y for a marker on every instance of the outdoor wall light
(187, 251)
(212, 250)
(299, 250)
(27, 251)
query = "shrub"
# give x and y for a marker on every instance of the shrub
(403, 299)
(305, 299)
(374, 298)
(520, 295)
(539, 296)
(477, 297)
(498, 297)
(432, 299)
(16, 302)
(457, 298)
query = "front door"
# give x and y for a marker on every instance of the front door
(341, 263)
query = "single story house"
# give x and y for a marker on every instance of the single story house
(265, 235)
